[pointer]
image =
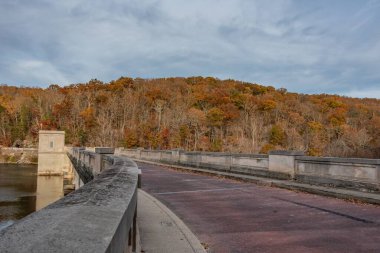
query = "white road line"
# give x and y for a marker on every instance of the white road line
(199, 179)
(208, 190)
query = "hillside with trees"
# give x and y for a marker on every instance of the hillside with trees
(193, 113)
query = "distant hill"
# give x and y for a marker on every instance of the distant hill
(193, 113)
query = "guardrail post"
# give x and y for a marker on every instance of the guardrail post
(229, 161)
(198, 159)
(175, 158)
(139, 153)
(100, 152)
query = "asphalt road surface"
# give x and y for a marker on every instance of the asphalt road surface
(229, 216)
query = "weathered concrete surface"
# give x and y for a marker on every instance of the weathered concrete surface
(104, 150)
(94, 218)
(283, 161)
(83, 172)
(352, 173)
(232, 216)
(161, 230)
(52, 158)
(88, 164)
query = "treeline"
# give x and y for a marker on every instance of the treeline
(193, 113)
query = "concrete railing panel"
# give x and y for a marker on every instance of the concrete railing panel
(250, 164)
(98, 217)
(154, 155)
(166, 156)
(189, 159)
(215, 161)
(356, 173)
(363, 174)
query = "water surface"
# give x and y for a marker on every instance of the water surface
(23, 192)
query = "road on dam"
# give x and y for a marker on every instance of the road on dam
(229, 216)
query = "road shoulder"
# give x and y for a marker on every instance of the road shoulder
(161, 231)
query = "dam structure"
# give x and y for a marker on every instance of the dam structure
(136, 200)
(52, 158)
(348, 178)
(100, 216)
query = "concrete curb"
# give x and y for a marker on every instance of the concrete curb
(192, 240)
(346, 194)
(138, 239)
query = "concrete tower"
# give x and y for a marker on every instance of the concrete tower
(52, 158)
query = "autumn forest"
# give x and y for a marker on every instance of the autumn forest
(193, 113)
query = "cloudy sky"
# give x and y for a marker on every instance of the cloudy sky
(324, 46)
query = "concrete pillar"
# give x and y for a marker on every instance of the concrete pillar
(198, 158)
(97, 168)
(139, 153)
(52, 158)
(86, 159)
(283, 161)
(77, 152)
(229, 161)
(100, 152)
(175, 158)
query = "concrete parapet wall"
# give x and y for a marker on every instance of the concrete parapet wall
(344, 172)
(360, 174)
(250, 164)
(151, 155)
(283, 162)
(98, 217)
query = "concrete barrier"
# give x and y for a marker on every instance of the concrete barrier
(351, 173)
(249, 164)
(362, 174)
(98, 217)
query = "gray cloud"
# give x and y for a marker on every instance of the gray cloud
(312, 47)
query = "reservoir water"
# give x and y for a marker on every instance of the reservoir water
(23, 192)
